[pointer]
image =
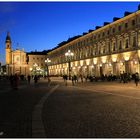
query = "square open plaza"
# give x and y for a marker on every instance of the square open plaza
(85, 87)
(112, 49)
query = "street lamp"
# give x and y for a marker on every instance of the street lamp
(69, 54)
(47, 61)
(31, 70)
(35, 66)
(7, 71)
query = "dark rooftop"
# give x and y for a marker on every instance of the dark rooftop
(97, 27)
(38, 53)
(115, 19)
(126, 13)
(106, 23)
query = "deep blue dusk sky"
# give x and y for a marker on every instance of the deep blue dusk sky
(42, 25)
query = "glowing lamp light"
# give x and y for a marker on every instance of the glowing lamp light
(114, 59)
(103, 60)
(135, 62)
(126, 58)
(35, 65)
(81, 63)
(31, 69)
(38, 68)
(69, 53)
(47, 60)
(100, 65)
(121, 63)
(95, 61)
(87, 61)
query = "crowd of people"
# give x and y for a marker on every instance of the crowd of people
(14, 79)
(122, 78)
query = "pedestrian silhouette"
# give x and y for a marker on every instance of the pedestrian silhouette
(136, 78)
(29, 79)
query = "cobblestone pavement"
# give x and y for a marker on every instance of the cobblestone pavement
(85, 110)
(93, 110)
(16, 107)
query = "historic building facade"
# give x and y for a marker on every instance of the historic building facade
(110, 49)
(36, 62)
(22, 63)
(15, 59)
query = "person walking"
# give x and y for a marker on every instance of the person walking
(66, 78)
(81, 76)
(72, 80)
(35, 79)
(136, 78)
(29, 79)
(16, 81)
(11, 78)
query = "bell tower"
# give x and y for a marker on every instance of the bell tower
(8, 48)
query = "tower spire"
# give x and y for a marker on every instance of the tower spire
(8, 39)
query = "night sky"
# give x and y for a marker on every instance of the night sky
(42, 25)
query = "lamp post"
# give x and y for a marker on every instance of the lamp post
(7, 71)
(47, 61)
(35, 66)
(69, 54)
(30, 70)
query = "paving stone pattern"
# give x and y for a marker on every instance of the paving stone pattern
(73, 113)
(16, 107)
